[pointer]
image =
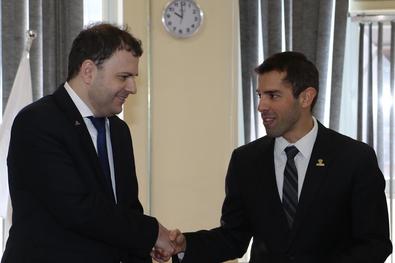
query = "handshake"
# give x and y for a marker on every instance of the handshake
(168, 243)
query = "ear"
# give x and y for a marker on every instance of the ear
(307, 96)
(88, 71)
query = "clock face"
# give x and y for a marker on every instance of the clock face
(182, 18)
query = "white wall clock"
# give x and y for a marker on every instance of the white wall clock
(182, 18)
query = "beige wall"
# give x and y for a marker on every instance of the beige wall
(192, 87)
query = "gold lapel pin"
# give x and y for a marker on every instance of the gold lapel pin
(77, 123)
(320, 163)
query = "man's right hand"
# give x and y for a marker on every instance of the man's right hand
(169, 243)
(164, 247)
(178, 240)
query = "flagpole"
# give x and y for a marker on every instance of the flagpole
(31, 35)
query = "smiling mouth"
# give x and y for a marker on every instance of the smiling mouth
(268, 121)
(122, 98)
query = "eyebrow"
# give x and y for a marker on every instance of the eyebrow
(272, 91)
(268, 91)
(127, 74)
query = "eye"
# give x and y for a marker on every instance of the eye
(258, 94)
(124, 77)
(274, 95)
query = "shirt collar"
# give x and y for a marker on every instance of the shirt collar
(305, 144)
(79, 103)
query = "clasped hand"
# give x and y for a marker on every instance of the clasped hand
(169, 243)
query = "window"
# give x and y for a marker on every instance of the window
(104, 10)
(373, 125)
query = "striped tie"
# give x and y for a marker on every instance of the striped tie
(290, 186)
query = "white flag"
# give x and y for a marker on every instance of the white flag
(20, 96)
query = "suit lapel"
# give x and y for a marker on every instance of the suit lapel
(66, 104)
(316, 173)
(267, 186)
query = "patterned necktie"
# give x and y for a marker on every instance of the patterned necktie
(100, 126)
(290, 185)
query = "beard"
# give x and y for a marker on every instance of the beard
(283, 124)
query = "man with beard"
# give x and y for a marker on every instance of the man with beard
(303, 193)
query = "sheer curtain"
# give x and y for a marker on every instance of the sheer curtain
(312, 27)
(376, 95)
(56, 23)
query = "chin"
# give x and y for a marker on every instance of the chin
(117, 109)
(272, 133)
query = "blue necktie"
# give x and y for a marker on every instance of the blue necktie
(290, 185)
(100, 125)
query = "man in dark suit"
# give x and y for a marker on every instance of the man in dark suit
(71, 166)
(304, 193)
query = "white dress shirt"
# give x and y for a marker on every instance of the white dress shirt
(85, 113)
(305, 147)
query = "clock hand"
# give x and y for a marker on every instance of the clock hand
(182, 11)
(177, 14)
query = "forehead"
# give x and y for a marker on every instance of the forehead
(122, 60)
(272, 80)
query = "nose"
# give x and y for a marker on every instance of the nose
(131, 86)
(263, 104)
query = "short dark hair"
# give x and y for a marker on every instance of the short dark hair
(98, 42)
(300, 72)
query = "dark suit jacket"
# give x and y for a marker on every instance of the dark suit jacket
(341, 216)
(62, 210)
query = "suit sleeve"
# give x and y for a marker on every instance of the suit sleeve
(41, 166)
(369, 216)
(228, 241)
